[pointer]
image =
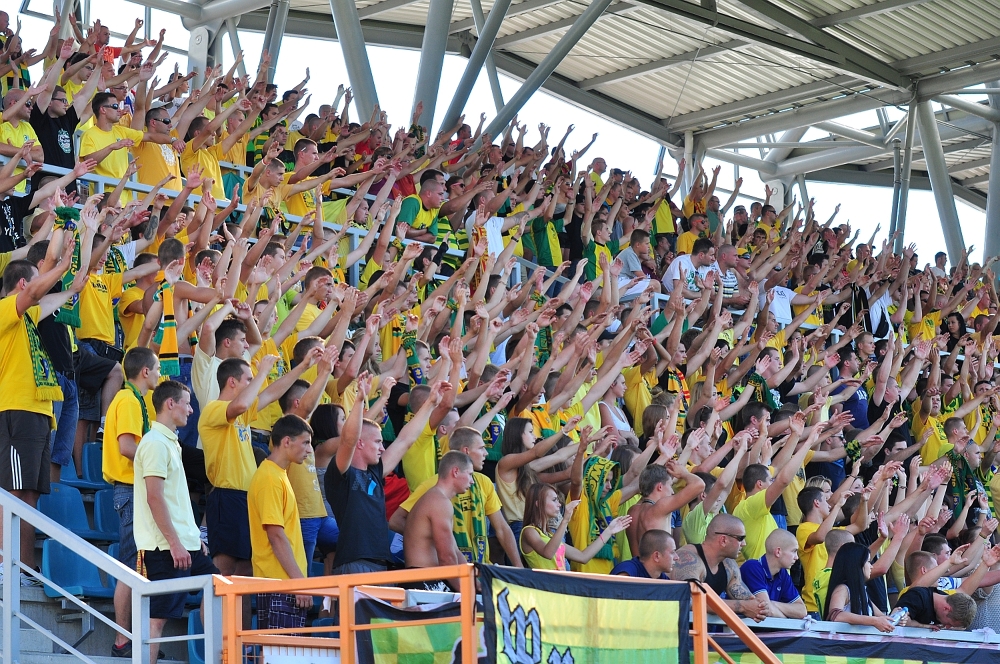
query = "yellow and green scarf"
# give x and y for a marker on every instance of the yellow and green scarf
(595, 473)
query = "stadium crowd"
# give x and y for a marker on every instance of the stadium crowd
(756, 399)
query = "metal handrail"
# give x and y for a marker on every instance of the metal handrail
(13, 511)
(828, 627)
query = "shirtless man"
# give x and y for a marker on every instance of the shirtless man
(714, 563)
(659, 500)
(428, 540)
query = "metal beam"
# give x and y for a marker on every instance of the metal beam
(772, 102)
(276, 19)
(384, 7)
(970, 144)
(906, 174)
(799, 117)
(425, 92)
(234, 44)
(991, 245)
(763, 35)
(791, 145)
(918, 182)
(475, 64)
(218, 10)
(515, 10)
(777, 153)
(982, 110)
(863, 12)
(491, 67)
(663, 64)
(979, 179)
(969, 165)
(548, 65)
(958, 56)
(856, 60)
(742, 160)
(937, 169)
(556, 26)
(352, 44)
(858, 135)
(378, 33)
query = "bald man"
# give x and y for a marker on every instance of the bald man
(767, 577)
(657, 555)
(713, 562)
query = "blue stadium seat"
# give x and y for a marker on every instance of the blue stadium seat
(106, 518)
(93, 462)
(67, 476)
(64, 505)
(196, 648)
(73, 573)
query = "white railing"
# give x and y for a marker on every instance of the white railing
(828, 627)
(14, 511)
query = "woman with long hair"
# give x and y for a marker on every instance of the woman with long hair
(327, 422)
(544, 548)
(849, 603)
(523, 457)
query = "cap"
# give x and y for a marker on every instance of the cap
(739, 208)
(744, 253)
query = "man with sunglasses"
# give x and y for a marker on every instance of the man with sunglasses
(16, 130)
(107, 141)
(713, 563)
(55, 119)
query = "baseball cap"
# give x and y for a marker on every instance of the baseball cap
(744, 253)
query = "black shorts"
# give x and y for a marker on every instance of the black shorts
(92, 369)
(228, 521)
(279, 611)
(25, 450)
(159, 565)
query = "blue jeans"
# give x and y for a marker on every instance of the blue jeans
(188, 434)
(320, 530)
(66, 412)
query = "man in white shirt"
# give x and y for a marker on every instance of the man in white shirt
(686, 266)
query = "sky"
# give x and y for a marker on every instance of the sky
(395, 72)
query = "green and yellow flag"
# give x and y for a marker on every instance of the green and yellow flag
(535, 617)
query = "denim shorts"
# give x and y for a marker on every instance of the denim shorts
(320, 530)
(66, 412)
(124, 501)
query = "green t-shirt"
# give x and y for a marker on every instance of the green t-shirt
(592, 251)
(548, 250)
(413, 212)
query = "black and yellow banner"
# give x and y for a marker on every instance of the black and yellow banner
(535, 617)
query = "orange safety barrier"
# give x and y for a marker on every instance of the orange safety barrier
(704, 598)
(235, 636)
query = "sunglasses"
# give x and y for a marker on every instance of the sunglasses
(29, 104)
(738, 538)
(114, 106)
(165, 121)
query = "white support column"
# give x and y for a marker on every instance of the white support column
(904, 175)
(775, 155)
(491, 69)
(937, 169)
(432, 60)
(280, 11)
(352, 43)
(548, 65)
(991, 245)
(234, 44)
(199, 41)
(475, 64)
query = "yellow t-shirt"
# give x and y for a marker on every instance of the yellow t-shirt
(16, 368)
(305, 483)
(663, 222)
(579, 530)
(813, 560)
(131, 322)
(18, 136)
(820, 589)
(304, 202)
(937, 445)
(97, 318)
(208, 158)
(124, 417)
(791, 492)
(237, 155)
(685, 242)
(271, 502)
(310, 313)
(638, 394)
(272, 412)
(156, 161)
(115, 164)
(756, 517)
(229, 460)
(420, 461)
(472, 511)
